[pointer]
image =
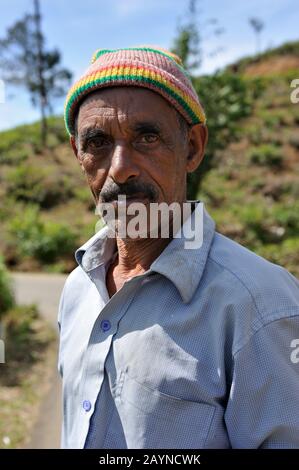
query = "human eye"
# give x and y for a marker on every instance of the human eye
(97, 143)
(148, 138)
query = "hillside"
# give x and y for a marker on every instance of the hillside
(46, 210)
(252, 190)
(277, 61)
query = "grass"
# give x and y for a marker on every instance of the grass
(266, 155)
(29, 355)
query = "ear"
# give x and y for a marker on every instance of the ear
(75, 150)
(74, 145)
(198, 139)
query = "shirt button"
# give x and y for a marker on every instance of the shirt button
(105, 325)
(86, 405)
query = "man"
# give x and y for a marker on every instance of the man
(164, 346)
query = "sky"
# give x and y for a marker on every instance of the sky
(77, 28)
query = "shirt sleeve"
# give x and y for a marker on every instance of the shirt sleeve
(263, 406)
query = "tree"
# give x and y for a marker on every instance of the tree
(187, 43)
(24, 61)
(191, 35)
(257, 26)
(226, 97)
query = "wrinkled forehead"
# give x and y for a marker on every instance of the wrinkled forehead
(124, 104)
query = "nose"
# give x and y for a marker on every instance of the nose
(123, 165)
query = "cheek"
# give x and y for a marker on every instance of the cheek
(89, 165)
(168, 166)
(95, 176)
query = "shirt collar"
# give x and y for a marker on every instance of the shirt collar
(184, 267)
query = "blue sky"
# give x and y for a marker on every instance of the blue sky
(78, 28)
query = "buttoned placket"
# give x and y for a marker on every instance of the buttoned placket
(97, 350)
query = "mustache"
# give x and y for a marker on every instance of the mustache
(129, 188)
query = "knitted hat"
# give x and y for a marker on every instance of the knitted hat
(144, 66)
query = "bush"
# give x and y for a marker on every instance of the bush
(13, 141)
(57, 239)
(294, 141)
(285, 254)
(18, 324)
(287, 215)
(83, 194)
(266, 155)
(12, 147)
(6, 293)
(254, 134)
(260, 224)
(30, 183)
(226, 99)
(13, 156)
(44, 241)
(26, 339)
(57, 129)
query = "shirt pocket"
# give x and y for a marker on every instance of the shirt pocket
(152, 419)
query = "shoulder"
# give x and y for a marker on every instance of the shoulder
(75, 282)
(76, 285)
(270, 288)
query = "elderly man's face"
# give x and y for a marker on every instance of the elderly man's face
(130, 143)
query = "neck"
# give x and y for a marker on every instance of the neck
(136, 256)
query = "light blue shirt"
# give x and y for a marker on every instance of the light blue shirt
(197, 352)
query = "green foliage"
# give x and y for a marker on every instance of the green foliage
(83, 194)
(287, 254)
(56, 240)
(6, 292)
(182, 47)
(26, 339)
(287, 215)
(13, 147)
(17, 144)
(291, 47)
(257, 86)
(28, 344)
(257, 135)
(250, 191)
(253, 217)
(276, 119)
(13, 156)
(187, 44)
(226, 100)
(266, 155)
(18, 325)
(263, 224)
(44, 241)
(57, 131)
(34, 184)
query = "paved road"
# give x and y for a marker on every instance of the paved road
(44, 290)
